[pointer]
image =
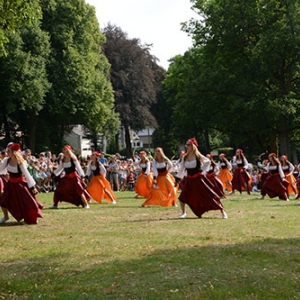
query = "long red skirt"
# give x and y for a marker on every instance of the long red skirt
(21, 203)
(70, 190)
(274, 187)
(240, 180)
(3, 182)
(217, 184)
(198, 194)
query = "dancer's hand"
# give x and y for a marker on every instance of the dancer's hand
(34, 191)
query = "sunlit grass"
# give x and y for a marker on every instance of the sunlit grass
(124, 251)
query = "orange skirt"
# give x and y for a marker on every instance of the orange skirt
(143, 184)
(165, 192)
(292, 181)
(97, 186)
(225, 176)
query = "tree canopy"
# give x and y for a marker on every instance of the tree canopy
(242, 75)
(14, 14)
(55, 76)
(135, 77)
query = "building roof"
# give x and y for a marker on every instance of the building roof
(145, 132)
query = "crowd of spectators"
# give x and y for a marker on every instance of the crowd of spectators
(121, 172)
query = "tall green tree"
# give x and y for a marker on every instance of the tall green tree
(134, 75)
(24, 83)
(252, 48)
(14, 15)
(78, 70)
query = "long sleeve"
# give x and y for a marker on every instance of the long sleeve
(3, 164)
(291, 169)
(154, 169)
(281, 173)
(89, 170)
(246, 165)
(29, 179)
(261, 166)
(228, 164)
(78, 168)
(181, 170)
(147, 172)
(216, 169)
(205, 164)
(59, 169)
(169, 166)
(102, 169)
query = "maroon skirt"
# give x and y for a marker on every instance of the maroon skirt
(217, 184)
(20, 202)
(3, 182)
(70, 189)
(273, 186)
(197, 192)
(240, 180)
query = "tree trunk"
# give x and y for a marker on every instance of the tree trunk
(128, 142)
(94, 139)
(294, 158)
(207, 143)
(274, 144)
(7, 131)
(284, 139)
(32, 133)
(117, 143)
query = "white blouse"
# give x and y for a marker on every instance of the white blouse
(191, 165)
(64, 165)
(92, 168)
(23, 167)
(272, 168)
(156, 165)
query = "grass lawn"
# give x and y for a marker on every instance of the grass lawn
(124, 251)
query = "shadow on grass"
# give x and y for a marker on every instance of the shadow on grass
(13, 223)
(265, 269)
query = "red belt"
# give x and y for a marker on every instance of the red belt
(274, 174)
(193, 176)
(162, 173)
(71, 175)
(17, 179)
(210, 174)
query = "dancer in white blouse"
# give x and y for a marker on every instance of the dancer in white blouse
(19, 194)
(163, 191)
(241, 177)
(70, 188)
(288, 169)
(275, 185)
(99, 187)
(144, 181)
(225, 174)
(196, 189)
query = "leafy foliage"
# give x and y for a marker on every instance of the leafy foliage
(14, 14)
(55, 76)
(24, 80)
(80, 92)
(242, 75)
(135, 76)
